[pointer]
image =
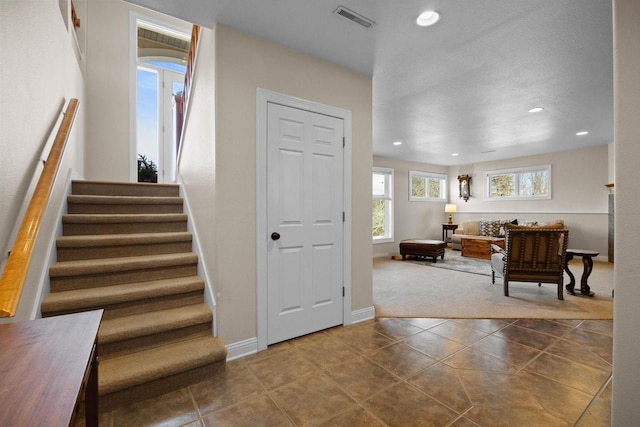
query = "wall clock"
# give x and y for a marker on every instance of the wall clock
(465, 186)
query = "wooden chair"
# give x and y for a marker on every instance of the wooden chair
(531, 254)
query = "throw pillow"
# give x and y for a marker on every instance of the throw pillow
(489, 227)
(502, 231)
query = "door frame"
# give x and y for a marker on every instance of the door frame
(263, 98)
(167, 27)
(167, 156)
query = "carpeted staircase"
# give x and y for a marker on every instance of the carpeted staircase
(125, 248)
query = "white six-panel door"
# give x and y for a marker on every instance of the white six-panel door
(304, 222)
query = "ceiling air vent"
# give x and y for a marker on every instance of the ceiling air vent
(354, 17)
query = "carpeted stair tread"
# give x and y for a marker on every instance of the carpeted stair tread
(90, 204)
(122, 218)
(111, 265)
(138, 325)
(137, 368)
(126, 249)
(107, 188)
(123, 200)
(98, 240)
(85, 299)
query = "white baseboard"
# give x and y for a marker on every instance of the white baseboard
(363, 314)
(240, 349)
(249, 346)
(202, 269)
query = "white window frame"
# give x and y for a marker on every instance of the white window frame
(517, 172)
(388, 209)
(428, 175)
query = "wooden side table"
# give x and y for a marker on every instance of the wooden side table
(48, 367)
(445, 228)
(587, 261)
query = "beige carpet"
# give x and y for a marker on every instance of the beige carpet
(406, 289)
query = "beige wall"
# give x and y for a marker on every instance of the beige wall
(579, 197)
(578, 183)
(244, 64)
(578, 194)
(411, 219)
(197, 161)
(626, 345)
(109, 87)
(38, 76)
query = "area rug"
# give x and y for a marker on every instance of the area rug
(453, 260)
(410, 289)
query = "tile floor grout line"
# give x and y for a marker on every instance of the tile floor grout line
(281, 409)
(588, 393)
(463, 415)
(578, 361)
(590, 337)
(265, 391)
(537, 356)
(593, 401)
(546, 333)
(460, 414)
(195, 403)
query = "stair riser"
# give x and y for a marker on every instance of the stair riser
(118, 348)
(158, 387)
(84, 208)
(67, 283)
(153, 304)
(147, 305)
(82, 229)
(128, 189)
(84, 253)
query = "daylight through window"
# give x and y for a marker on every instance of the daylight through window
(382, 205)
(425, 186)
(522, 183)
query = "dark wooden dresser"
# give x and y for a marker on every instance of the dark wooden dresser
(47, 368)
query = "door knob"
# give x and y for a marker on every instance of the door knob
(275, 236)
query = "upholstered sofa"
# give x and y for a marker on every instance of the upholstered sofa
(484, 227)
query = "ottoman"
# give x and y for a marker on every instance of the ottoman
(422, 248)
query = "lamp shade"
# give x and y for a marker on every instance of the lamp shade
(449, 208)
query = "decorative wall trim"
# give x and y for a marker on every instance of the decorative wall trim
(502, 212)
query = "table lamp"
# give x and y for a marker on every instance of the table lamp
(450, 209)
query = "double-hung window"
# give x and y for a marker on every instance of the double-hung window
(382, 205)
(425, 186)
(518, 184)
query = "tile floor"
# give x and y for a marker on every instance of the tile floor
(405, 372)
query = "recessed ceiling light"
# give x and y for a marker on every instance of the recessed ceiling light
(455, 154)
(536, 110)
(397, 143)
(428, 18)
(584, 132)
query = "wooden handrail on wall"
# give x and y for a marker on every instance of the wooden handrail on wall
(15, 272)
(182, 104)
(188, 76)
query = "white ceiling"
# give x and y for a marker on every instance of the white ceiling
(461, 86)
